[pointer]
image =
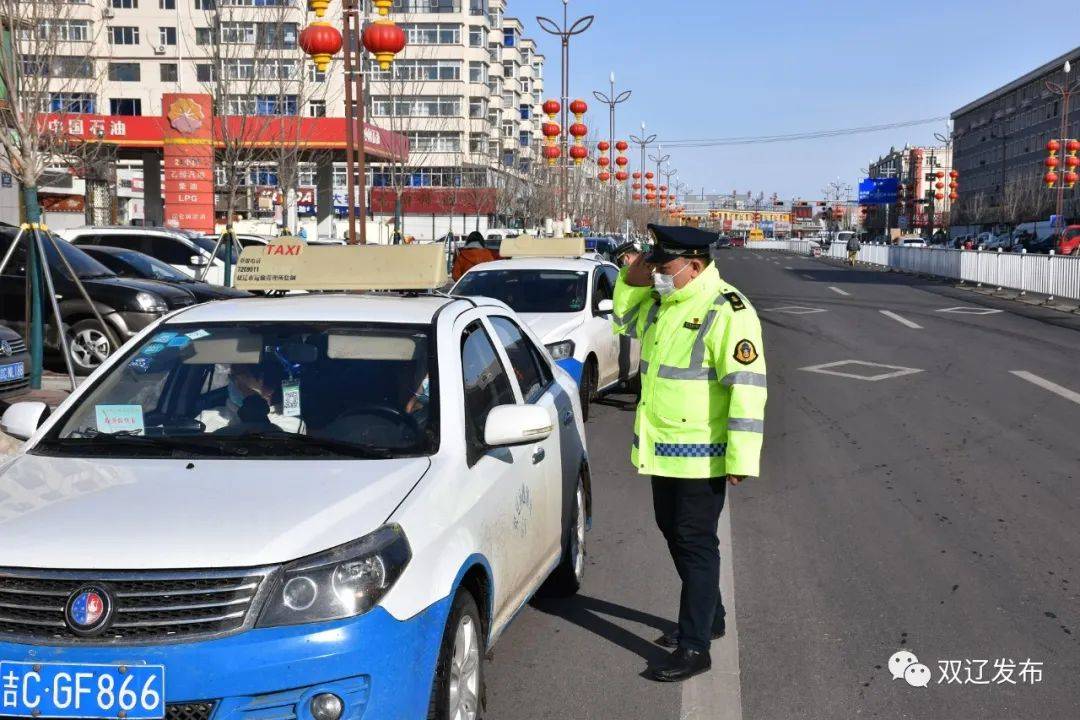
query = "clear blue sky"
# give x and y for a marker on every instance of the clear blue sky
(723, 68)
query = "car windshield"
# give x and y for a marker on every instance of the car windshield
(150, 267)
(529, 291)
(83, 265)
(262, 390)
(207, 243)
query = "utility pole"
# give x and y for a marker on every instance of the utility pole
(1065, 90)
(643, 142)
(611, 101)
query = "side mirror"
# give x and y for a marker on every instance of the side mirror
(517, 425)
(605, 306)
(198, 261)
(22, 419)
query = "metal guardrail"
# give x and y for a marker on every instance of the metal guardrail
(1057, 276)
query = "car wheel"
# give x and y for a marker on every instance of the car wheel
(587, 387)
(88, 345)
(458, 690)
(566, 579)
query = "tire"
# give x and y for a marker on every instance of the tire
(587, 387)
(88, 345)
(458, 690)
(566, 579)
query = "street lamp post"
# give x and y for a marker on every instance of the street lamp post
(659, 159)
(1065, 90)
(643, 142)
(611, 101)
(667, 182)
(564, 33)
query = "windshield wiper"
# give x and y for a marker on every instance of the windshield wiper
(343, 447)
(94, 441)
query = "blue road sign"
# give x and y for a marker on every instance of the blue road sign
(878, 191)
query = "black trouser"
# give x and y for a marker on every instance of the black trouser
(687, 513)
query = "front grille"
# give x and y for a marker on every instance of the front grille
(173, 711)
(17, 346)
(147, 607)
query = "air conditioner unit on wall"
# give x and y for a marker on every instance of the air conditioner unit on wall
(108, 13)
(159, 49)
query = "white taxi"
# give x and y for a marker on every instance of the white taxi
(320, 507)
(567, 301)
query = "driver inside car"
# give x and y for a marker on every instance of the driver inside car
(253, 403)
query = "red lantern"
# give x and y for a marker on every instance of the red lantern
(603, 146)
(650, 196)
(953, 196)
(552, 153)
(1072, 146)
(621, 146)
(637, 185)
(1050, 179)
(940, 174)
(939, 196)
(1071, 161)
(1051, 162)
(578, 153)
(551, 130)
(649, 175)
(637, 197)
(384, 40)
(622, 161)
(1053, 146)
(650, 187)
(578, 130)
(939, 185)
(1071, 178)
(636, 175)
(551, 108)
(604, 176)
(621, 176)
(603, 161)
(663, 188)
(954, 174)
(320, 40)
(578, 108)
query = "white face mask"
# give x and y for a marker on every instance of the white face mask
(665, 284)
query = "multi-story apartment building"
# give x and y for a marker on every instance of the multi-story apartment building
(1000, 144)
(916, 170)
(466, 91)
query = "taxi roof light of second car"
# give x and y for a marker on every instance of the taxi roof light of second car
(526, 246)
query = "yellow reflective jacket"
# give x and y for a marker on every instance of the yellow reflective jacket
(702, 408)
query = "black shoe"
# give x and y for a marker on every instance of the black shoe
(681, 665)
(671, 639)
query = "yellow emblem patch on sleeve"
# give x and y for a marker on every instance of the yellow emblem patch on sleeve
(745, 352)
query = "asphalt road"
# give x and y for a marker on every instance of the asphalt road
(933, 509)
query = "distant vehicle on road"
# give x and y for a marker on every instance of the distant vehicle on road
(940, 237)
(738, 241)
(1069, 244)
(601, 245)
(14, 364)
(724, 243)
(133, 264)
(188, 252)
(912, 241)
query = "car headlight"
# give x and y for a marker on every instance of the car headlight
(561, 350)
(343, 582)
(149, 302)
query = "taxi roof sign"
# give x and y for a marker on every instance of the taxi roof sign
(290, 264)
(526, 246)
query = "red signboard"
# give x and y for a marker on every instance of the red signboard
(802, 212)
(435, 201)
(189, 145)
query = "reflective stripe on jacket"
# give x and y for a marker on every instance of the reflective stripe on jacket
(702, 408)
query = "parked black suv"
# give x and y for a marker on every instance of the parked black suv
(14, 364)
(126, 304)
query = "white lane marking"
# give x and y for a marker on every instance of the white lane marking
(794, 309)
(808, 277)
(902, 320)
(838, 291)
(968, 310)
(717, 694)
(828, 369)
(1047, 385)
(788, 268)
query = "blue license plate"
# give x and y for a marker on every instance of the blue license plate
(14, 371)
(55, 690)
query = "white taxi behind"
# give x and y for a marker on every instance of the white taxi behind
(567, 301)
(319, 507)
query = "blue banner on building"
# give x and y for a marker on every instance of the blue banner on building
(878, 191)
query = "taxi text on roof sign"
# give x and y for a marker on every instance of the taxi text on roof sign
(525, 246)
(289, 264)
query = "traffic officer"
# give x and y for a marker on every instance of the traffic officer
(700, 420)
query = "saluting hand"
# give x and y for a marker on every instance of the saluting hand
(638, 273)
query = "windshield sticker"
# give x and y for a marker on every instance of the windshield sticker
(140, 365)
(198, 334)
(119, 418)
(163, 337)
(290, 398)
(153, 348)
(180, 342)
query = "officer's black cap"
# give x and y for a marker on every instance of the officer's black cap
(676, 241)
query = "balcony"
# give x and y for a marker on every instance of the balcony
(427, 6)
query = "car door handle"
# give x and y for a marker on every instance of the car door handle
(538, 456)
